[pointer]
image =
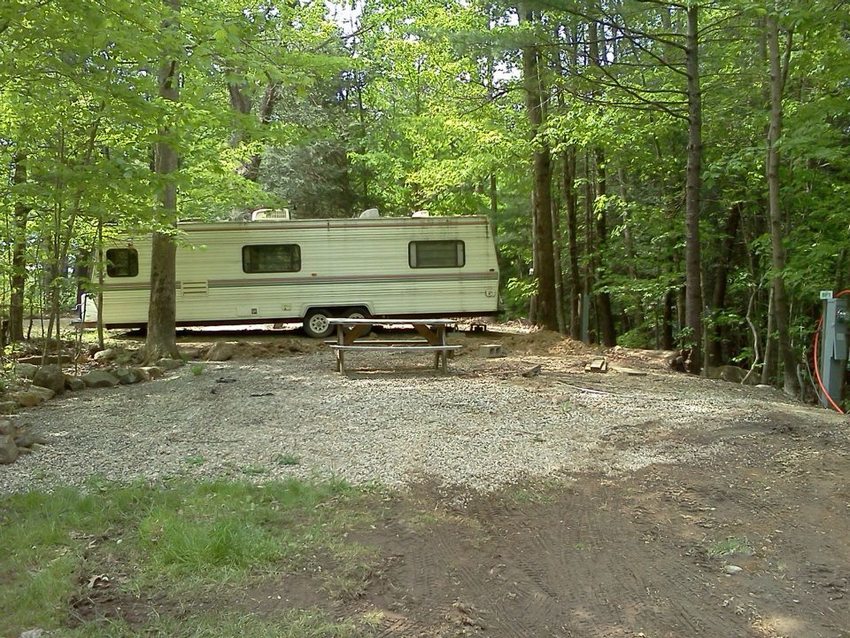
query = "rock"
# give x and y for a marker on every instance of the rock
(99, 379)
(152, 372)
(74, 383)
(532, 372)
(32, 633)
(169, 364)
(190, 354)
(7, 428)
(28, 439)
(50, 376)
(221, 351)
(32, 397)
(733, 374)
(105, 355)
(8, 407)
(25, 370)
(599, 364)
(8, 450)
(126, 376)
(732, 569)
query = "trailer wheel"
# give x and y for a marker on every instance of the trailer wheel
(357, 313)
(316, 323)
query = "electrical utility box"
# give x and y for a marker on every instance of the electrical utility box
(833, 362)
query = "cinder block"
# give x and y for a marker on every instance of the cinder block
(492, 350)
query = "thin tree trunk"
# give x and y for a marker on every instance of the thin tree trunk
(603, 298)
(590, 257)
(721, 281)
(693, 283)
(17, 281)
(777, 230)
(770, 347)
(161, 338)
(570, 197)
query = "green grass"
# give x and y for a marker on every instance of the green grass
(287, 459)
(180, 539)
(730, 546)
(308, 623)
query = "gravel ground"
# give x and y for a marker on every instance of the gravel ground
(481, 427)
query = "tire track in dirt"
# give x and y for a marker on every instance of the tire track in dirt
(570, 577)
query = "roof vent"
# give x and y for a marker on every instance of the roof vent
(272, 214)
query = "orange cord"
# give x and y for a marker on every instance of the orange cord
(817, 364)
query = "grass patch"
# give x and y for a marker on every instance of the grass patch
(306, 623)
(177, 539)
(731, 546)
(287, 459)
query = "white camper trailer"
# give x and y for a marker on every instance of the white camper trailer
(310, 270)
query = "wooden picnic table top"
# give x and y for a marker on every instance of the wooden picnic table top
(341, 321)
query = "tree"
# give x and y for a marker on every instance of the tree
(161, 338)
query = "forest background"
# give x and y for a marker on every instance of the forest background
(660, 175)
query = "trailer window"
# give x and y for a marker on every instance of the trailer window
(122, 262)
(271, 258)
(436, 254)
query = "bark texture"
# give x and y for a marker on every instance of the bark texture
(161, 339)
(546, 308)
(693, 275)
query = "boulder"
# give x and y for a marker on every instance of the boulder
(28, 439)
(35, 395)
(151, 372)
(25, 370)
(99, 379)
(8, 450)
(190, 354)
(126, 376)
(169, 364)
(733, 374)
(7, 428)
(74, 383)
(105, 355)
(221, 351)
(50, 376)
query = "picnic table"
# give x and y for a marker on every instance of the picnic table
(351, 336)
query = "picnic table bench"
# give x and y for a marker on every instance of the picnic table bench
(351, 337)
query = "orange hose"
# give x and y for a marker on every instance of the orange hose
(817, 364)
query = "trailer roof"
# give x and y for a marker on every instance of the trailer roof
(357, 222)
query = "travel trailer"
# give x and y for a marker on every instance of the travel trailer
(280, 270)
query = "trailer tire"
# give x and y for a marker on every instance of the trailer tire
(357, 313)
(316, 323)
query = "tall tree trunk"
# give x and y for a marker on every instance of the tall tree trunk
(161, 338)
(19, 245)
(590, 256)
(693, 283)
(546, 309)
(571, 200)
(604, 314)
(777, 231)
